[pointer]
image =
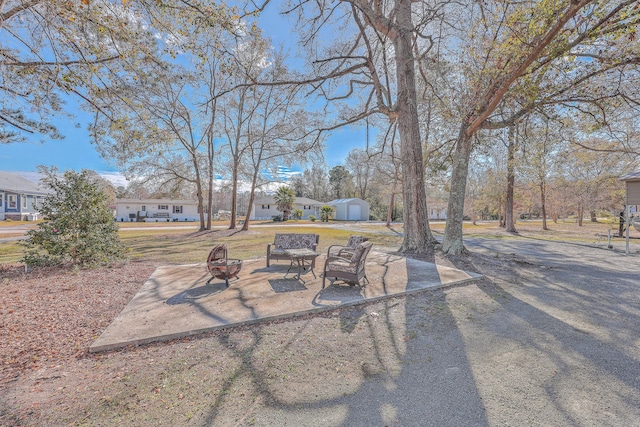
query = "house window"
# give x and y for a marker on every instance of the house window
(12, 201)
(163, 207)
(1, 199)
(177, 209)
(144, 208)
(24, 202)
(264, 206)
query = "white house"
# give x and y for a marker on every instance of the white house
(19, 197)
(353, 209)
(156, 210)
(265, 208)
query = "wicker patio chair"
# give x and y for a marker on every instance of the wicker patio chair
(346, 251)
(350, 270)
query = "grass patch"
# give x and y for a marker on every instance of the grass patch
(176, 246)
(11, 223)
(182, 243)
(10, 252)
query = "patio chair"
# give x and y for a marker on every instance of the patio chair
(346, 251)
(222, 267)
(350, 270)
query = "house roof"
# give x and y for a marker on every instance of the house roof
(341, 201)
(156, 201)
(633, 176)
(16, 183)
(269, 200)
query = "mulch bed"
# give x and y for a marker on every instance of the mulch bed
(48, 315)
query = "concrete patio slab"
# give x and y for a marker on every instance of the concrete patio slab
(176, 301)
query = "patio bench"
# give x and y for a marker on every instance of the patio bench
(283, 241)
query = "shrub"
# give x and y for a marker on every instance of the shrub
(312, 218)
(78, 226)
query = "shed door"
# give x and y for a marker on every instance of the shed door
(633, 193)
(354, 213)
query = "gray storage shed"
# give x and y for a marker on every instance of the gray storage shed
(632, 183)
(353, 209)
(632, 198)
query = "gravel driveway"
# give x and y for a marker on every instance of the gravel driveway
(550, 338)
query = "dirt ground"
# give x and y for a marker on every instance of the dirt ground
(549, 337)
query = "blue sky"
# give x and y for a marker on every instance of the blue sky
(76, 152)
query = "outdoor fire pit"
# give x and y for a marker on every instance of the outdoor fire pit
(222, 267)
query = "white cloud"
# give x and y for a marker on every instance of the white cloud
(116, 178)
(285, 173)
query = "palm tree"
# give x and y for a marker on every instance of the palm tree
(326, 213)
(285, 198)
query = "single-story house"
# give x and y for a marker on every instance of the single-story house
(353, 209)
(265, 208)
(19, 197)
(156, 210)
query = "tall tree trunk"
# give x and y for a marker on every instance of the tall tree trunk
(254, 181)
(201, 206)
(245, 226)
(234, 195)
(417, 234)
(452, 242)
(210, 184)
(580, 214)
(199, 195)
(509, 220)
(235, 153)
(209, 202)
(543, 203)
(390, 211)
(211, 150)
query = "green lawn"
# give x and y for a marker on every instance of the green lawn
(180, 245)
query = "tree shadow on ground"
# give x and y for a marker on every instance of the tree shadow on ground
(568, 308)
(191, 296)
(399, 361)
